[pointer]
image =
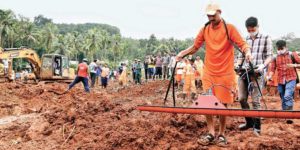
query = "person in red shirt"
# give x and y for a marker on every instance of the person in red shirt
(287, 74)
(82, 76)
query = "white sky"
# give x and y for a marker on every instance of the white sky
(165, 18)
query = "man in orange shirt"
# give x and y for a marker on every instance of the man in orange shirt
(219, 38)
(189, 87)
(199, 71)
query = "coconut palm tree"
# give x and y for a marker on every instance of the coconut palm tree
(48, 35)
(92, 43)
(7, 19)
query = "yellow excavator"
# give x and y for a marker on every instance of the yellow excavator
(52, 67)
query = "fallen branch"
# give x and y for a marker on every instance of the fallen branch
(70, 134)
(63, 131)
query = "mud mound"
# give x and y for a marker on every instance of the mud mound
(108, 119)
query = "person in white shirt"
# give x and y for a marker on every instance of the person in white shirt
(93, 72)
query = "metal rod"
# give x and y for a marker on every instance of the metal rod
(169, 86)
(225, 112)
(173, 92)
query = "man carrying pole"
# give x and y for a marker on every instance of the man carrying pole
(219, 64)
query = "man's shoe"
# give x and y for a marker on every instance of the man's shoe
(245, 126)
(256, 131)
(289, 121)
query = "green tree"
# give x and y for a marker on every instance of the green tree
(152, 44)
(40, 20)
(7, 19)
(48, 35)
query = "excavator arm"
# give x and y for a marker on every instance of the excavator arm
(28, 54)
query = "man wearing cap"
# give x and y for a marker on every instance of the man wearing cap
(219, 38)
(261, 51)
(82, 76)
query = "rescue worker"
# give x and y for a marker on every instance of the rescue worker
(199, 71)
(219, 38)
(123, 76)
(261, 52)
(82, 76)
(189, 87)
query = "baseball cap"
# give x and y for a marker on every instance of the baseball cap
(212, 8)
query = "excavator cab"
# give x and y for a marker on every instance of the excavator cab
(55, 67)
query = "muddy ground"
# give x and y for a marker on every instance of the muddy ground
(38, 117)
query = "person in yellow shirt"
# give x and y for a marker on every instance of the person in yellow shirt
(199, 71)
(189, 87)
(219, 38)
(104, 76)
(151, 67)
(123, 77)
(1, 68)
(179, 73)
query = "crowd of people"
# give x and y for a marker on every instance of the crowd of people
(220, 67)
(93, 73)
(160, 66)
(255, 64)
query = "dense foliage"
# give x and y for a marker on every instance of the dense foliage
(91, 40)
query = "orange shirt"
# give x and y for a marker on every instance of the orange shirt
(189, 70)
(83, 70)
(219, 57)
(199, 67)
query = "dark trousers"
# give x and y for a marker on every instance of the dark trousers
(133, 75)
(84, 80)
(93, 78)
(150, 72)
(104, 81)
(165, 70)
(243, 98)
(158, 71)
(146, 73)
(138, 78)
